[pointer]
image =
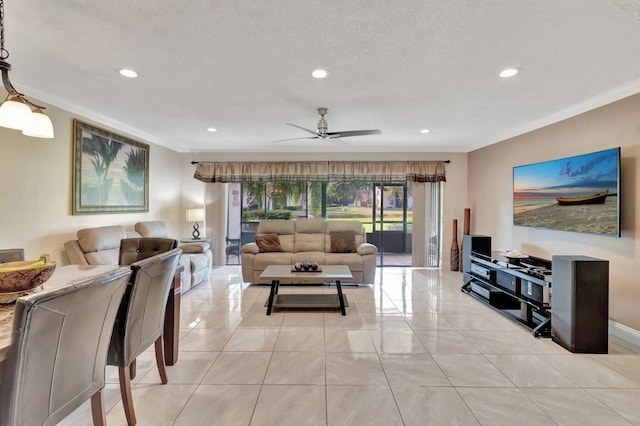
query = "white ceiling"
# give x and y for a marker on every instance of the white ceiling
(243, 67)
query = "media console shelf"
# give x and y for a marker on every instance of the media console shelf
(518, 288)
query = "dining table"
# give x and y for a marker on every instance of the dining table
(69, 274)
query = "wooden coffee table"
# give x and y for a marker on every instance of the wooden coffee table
(329, 273)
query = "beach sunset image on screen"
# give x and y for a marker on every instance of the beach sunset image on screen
(578, 193)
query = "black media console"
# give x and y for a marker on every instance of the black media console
(518, 288)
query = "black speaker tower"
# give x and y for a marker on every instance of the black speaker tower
(580, 304)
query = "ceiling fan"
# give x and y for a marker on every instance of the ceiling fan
(323, 134)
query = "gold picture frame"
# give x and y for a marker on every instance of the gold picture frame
(110, 172)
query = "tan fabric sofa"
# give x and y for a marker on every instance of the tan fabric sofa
(310, 240)
(101, 246)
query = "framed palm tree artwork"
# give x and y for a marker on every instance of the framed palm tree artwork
(110, 172)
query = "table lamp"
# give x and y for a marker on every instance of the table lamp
(195, 216)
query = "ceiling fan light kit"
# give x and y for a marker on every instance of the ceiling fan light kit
(323, 133)
(17, 112)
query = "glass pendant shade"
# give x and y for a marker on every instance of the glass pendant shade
(39, 125)
(14, 113)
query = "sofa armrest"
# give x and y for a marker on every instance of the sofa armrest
(194, 247)
(251, 248)
(75, 253)
(366, 248)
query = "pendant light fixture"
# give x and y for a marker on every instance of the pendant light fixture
(17, 112)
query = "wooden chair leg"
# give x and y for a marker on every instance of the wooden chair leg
(97, 409)
(160, 361)
(127, 399)
(132, 370)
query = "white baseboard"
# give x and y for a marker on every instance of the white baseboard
(623, 332)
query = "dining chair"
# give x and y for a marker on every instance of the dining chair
(140, 320)
(11, 255)
(56, 360)
(232, 248)
(135, 249)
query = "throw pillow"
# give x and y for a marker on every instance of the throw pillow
(268, 243)
(343, 241)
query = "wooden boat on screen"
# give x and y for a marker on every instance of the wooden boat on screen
(598, 198)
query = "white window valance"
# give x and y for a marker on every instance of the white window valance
(322, 171)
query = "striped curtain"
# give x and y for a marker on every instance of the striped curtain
(322, 171)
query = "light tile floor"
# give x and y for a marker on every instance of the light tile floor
(412, 350)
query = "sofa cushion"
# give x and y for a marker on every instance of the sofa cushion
(262, 260)
(156, 228)
(286, 242)
(309, 256)
(101, 238)
(276, 226)
(268, 243)
(310, 226)
(194, 247)
(352, 260)
(343, 242)
(309, 242)
(199, 262)
(103, 257)
(346, 225)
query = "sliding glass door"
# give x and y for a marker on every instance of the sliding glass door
(385, 210)
(392, 219)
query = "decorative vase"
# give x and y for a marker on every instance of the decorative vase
(467, 231)
(455, 252)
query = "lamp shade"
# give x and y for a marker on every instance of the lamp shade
(39, 126)
(14, 113)
(195, 215)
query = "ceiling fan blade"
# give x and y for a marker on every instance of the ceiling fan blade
(336, 141)
(296, 139)
(313, 132)
(348, 133)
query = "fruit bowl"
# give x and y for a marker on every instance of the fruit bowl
(21, 278)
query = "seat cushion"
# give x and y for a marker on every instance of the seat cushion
(352, 260)
(262, 260)
(309, 256)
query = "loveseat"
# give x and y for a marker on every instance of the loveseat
(101, 246)
(332, 242)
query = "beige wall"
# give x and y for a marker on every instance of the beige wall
(490, 186)
(35, 191)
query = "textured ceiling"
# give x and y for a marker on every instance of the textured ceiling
(244, 67)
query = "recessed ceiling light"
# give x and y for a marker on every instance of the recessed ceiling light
(423, 131)
(320, 73)
(128, 73)
(212, 129)
(508, 72)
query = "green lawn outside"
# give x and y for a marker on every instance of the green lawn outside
(393, 217)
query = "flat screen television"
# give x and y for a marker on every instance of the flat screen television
(570, 194)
